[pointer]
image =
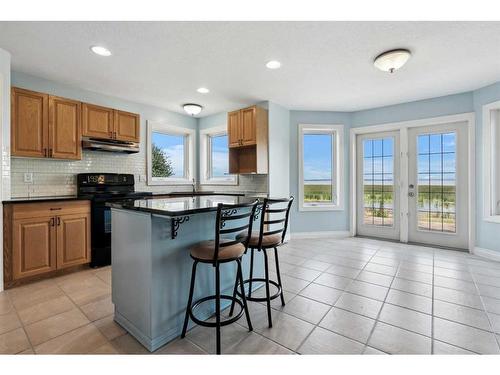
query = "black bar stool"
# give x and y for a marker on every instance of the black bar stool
(273, 227)
(233, 227)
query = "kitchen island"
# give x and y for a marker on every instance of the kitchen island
(151, 266)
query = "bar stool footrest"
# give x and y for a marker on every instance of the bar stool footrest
(261, 299)
(222, 322)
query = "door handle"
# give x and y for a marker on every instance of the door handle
(411, 194)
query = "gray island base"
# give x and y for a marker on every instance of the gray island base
(151, 270)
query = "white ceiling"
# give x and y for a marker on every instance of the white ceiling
(325, 65)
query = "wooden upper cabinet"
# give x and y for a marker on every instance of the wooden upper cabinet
(64, 128)
(97, 121)
(29, 123)
(126, 126)
(234, 128)
(73, 240)
(33, 246)
(248, 126)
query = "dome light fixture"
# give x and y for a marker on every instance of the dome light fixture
(392, 60)
(203, 90)
(100, 50)
(273, 64)
(192, 109)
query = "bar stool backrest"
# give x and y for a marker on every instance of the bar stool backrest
(233, 222)
(274, 220)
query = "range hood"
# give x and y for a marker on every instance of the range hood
(109, 145)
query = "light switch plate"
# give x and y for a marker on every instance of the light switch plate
(28, 178)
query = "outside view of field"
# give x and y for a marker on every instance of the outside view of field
(435, 191)
(318, 168)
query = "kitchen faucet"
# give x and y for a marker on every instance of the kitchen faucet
(194, 187)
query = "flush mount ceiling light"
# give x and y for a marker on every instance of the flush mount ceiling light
(192, 109)
(203, 90)
(273, 64)
(100, 50)
(390, 61)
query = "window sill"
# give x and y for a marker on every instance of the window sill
(320, 208)
(170, 182)
(492, 219)
(231, 183)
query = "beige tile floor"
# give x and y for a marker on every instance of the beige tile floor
(344, 296)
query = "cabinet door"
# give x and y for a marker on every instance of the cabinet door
(33, 247)
(233, 128)
(97, 121)
(73, 240)
(29, 123)
(64, 128)
(127, 126)
(248, 122)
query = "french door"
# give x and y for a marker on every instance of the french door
(434, 187)
(378, 164)
(438, 185)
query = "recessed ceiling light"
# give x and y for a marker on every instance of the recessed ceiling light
(203, 90)
(390, 61)
(192, 109)
(273, 64)
(100, 50)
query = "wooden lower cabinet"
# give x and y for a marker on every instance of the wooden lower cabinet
(40, 239)
(33, 250)
(73, 240)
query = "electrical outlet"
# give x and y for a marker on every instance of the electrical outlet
(28, 178)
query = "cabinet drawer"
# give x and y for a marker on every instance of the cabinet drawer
(56, 208)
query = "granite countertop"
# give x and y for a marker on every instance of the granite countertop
(179, 206)
(43, 199)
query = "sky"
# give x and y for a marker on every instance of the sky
(173, 146)
(317, 150)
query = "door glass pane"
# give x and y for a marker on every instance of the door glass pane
(318, 168)
(378, 182)
(436, 186)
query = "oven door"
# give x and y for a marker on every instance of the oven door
(101, 234)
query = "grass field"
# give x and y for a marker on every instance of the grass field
(317, 193)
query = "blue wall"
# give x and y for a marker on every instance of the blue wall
(441, 106)
(487, 234)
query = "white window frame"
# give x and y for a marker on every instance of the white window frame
(206, 159)
(189, 158)
(491, 127)
(337, 131)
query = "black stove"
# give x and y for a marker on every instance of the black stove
(101, 188)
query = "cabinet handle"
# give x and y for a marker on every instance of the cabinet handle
(50, 152)
(52, 222)
(110, 134)
(45, 152)
(55, 208)
(58, 221)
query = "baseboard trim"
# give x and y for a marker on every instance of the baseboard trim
(487, 253)
(322, 234)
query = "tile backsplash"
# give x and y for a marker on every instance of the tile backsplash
(58, 177)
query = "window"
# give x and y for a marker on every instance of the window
(320, 167)
(170, 154)
(491, 161)
(214, 157)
